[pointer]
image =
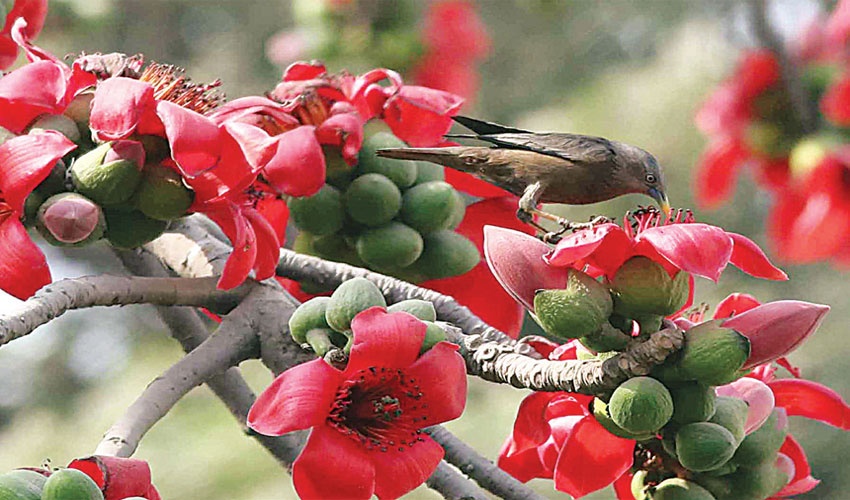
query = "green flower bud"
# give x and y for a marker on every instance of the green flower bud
(428, 172)
(433, 335)
(576, 311)
(401, 172)
(704, 446)
(308, 316)
(58, 123)
(445, 254)
(603, 416)
(641, 405)
(79, 109)
(162, 195)
(756, 483)
(69, 219)
(762, 444)
(392, 246)
(712, 354)
(320, 340)
(677, 488)
(349, 299)
(372, 199)
(422, 309)
(693, 402)
(320, 214)
(22, 484)
(431, 206)
(110, 173)
(338, 173)
(68, 484)
(131, 228)
(54, 183)
(720, 487)
(731, 413)
(642, 287)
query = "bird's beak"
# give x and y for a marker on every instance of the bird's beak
(661, 198)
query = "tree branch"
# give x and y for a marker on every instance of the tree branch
(483, 471)
(804, 113)
(90, 291)
(453, 485)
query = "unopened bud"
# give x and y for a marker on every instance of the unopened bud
(712, 354)
(576, 311)
(69, 219)
(161, 194)
(642, 287)
(110, 173)
(79, 109)
(59, 123)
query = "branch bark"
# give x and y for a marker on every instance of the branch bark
(90, 291)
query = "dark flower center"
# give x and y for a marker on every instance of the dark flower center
(381, 409)
(171, 84)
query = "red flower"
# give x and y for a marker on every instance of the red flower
(367, 419)
(118, 478)
(478, 288)
(556, 436)
(25, 161)
(34, 13)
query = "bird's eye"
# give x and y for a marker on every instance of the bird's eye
(650, 178)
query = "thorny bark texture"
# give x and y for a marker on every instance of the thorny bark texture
(483, 471)
(57, 298)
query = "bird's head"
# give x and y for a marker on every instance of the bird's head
(645, 175)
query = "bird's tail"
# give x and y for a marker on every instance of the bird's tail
(450, 157)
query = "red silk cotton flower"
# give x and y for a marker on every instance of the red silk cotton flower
(366, 420)
(556, 436)
(118, 478)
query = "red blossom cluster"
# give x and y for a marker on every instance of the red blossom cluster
(795, 145)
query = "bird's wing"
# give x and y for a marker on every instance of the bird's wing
(572, 147)
(481, 127)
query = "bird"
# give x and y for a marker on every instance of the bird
(548, 167)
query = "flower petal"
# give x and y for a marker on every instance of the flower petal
(474, 186)
(516, 260)
(298, 398)
(37, 88)
(776, 328)
(23, 269)
(344, 130)
(118, 106)
(581, 244)
(802, 482)
(756, 394)
(441, 374)
(530, 428)
(811, 400)
(328, 451)
(717, 171)
(735, 303)
(623, 487)
(400, 470)
(303, 70)
(421, 116)
(748, 257)
(389, 340)
(195, 140)
(524, 465)
(298, 166)
(591, 458)
(695, 248)
(241, 235)
(268, 246)
(117, 477)
(27, 160)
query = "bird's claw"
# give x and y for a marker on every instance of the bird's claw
(524, 216)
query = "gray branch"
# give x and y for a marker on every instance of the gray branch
(453, 485)
(90, 291)
(483, 471)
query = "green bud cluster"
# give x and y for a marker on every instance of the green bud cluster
(392, 216)
(62, 484)
(324, 323)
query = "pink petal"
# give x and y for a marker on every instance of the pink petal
(581, 244)
(32, 90)
(329, 451)
(298, 398)
(343, 130)
(695, 248)
(717, 171)
(304, 70)
(195, 140)
(516, 260)
(298, 166)
(34, 12)
(241, 235)
(268, 247)
(389, 340)
(118, 106)
(811, 400)
(421, 116)
(802, 482)
(776, 328)
(735, 303)
(253, 110)
(591, 458)
(400, 470)
(23, 269)
(441, 374)
(117, 477)
(785, 464)
(256, 145)
(27, 160)
(748, 257)
(758, 397)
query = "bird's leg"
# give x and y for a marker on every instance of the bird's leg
(528, 209)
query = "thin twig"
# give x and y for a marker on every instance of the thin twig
(453, 485)
(483, 471)
(804, 112)
(90, 291)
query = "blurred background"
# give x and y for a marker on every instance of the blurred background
(631, 70)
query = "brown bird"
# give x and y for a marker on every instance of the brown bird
(547, 167)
